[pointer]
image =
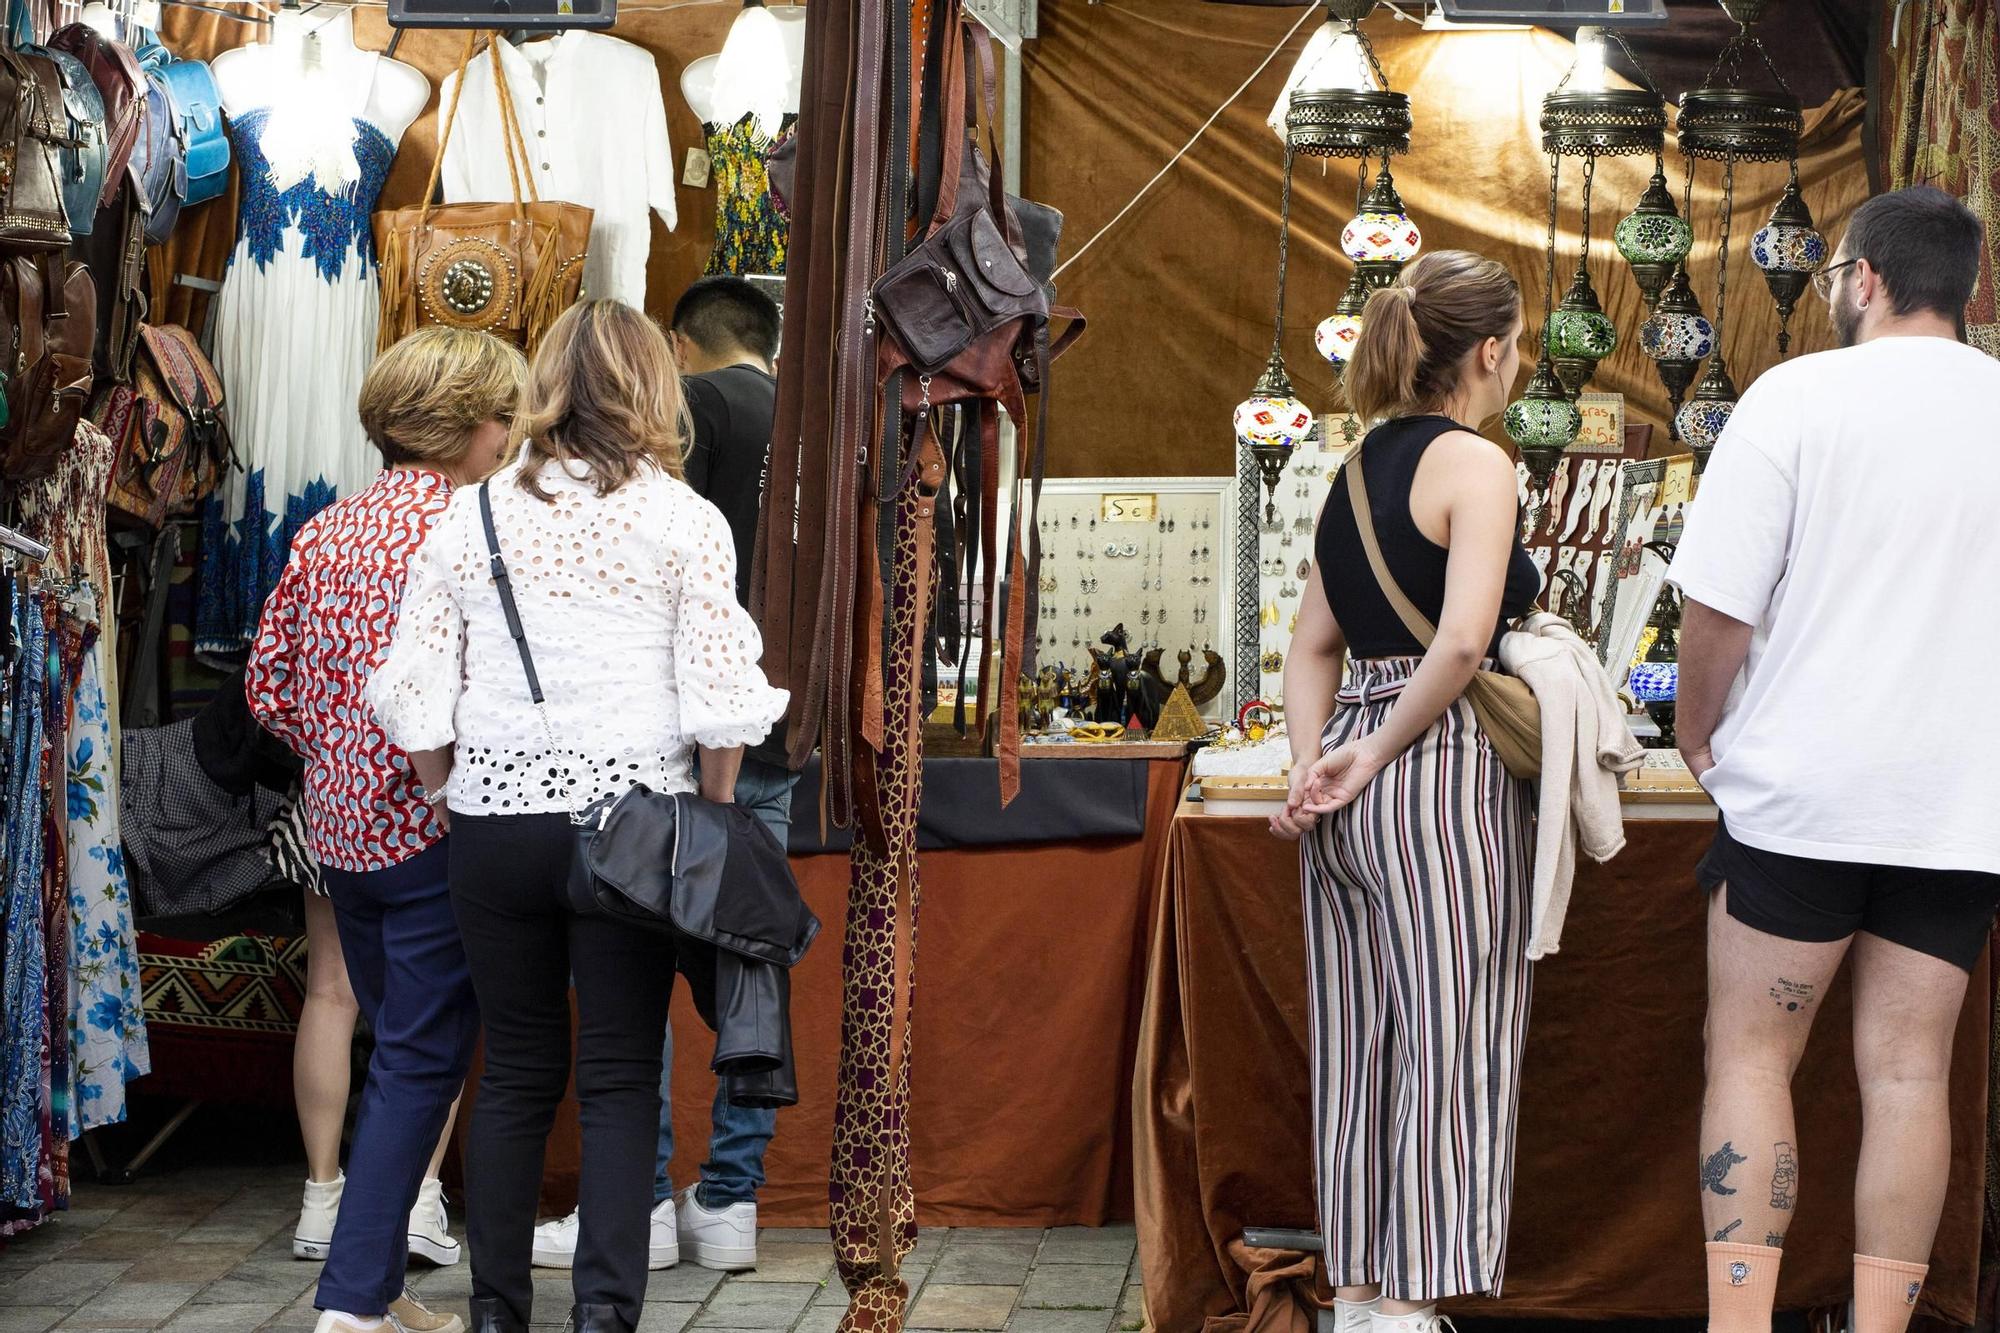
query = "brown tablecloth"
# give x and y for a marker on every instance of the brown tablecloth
(1030, 968)
(1606, 1219)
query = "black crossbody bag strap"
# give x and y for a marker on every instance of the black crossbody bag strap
(505, 587)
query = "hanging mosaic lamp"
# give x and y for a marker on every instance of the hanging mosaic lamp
(1789, 249)
(1354, 115)
(1272, 421)
(1699, 424)
(1654, 238)
(1381, 238)
(1337, 333)
(1678, 337)
(1580, 334)
(1543, 422)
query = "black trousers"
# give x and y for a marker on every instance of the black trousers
(508, 877)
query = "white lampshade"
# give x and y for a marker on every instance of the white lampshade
(754, 74)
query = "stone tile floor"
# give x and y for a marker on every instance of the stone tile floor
(209, 1251)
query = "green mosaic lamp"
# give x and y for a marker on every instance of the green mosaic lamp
(1543, 422)
(1580, 334)
(1654, 238)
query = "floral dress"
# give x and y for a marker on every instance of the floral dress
(751, 231)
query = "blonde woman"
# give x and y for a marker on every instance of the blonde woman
(438, 405)
(625, 583)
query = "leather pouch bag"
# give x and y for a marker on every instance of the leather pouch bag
(1507, 709)
(121, 84)
(34, 132)
(85, 157)
(48, 312)
(172, 448)
(508, 269)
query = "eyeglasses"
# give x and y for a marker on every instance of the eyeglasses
(1823, 280)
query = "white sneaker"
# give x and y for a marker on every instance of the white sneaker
(724, 1238)
(313, 1237)
(430, 1227)
(555, 1242)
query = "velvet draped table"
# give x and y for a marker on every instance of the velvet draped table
(1606, 1219)
(1027, 1011)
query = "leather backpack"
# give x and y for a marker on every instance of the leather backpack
(172, 445)
(34, 131)
(48, 319)
(159, 165)
(122, 85)
(85, 157)
(204, 144)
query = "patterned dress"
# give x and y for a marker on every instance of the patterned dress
(751, 231)
(295, 334)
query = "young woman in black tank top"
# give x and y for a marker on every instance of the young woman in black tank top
(1417, 844)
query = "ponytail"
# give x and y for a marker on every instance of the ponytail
(1383, 368)
(1416, 334)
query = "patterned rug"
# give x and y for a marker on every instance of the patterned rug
(222, 1016)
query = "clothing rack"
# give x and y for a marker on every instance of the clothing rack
(19, 544)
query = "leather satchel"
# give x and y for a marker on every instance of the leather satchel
(84, 158)
(34, 132)
(1506, 707)
(508, 269)
(172, 447)
(204, 143)
(121, 84)
(48, 315)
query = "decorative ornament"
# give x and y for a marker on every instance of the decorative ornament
(1381, 238)
(1272, 421)
(1679, 338)
(1654, 238)
(1790, 249)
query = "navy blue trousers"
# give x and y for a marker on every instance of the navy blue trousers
(408, 971)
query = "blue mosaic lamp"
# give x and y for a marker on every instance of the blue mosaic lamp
(1789, 249)
(1700, 422)
(1678, 337)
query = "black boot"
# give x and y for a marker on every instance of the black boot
(597, 1319)
(490, 1314)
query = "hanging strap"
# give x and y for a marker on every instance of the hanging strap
(511, 139)
(1364, 521)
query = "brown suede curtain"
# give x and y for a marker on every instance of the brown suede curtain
(1607, 1220)
(1180, 295)
(674, 34)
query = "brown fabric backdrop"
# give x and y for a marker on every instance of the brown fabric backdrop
(675, 35)
(1607, 1221)
(1180, 294)
(1027, 1026)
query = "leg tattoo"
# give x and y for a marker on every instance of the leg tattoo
(1726, 1232)
(1785, 1179)
(1716, 1168)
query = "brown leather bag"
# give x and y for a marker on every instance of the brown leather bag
(508, 269)
(122, 85)
(173, 447)
(34, 131)
(48, 315)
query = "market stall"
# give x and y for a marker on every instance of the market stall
(1604, 1204)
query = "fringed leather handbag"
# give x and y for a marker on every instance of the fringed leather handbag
(508, 269)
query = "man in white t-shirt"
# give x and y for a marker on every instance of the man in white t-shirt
(1835, 567)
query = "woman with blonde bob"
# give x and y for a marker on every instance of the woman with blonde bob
(1417, 842)
(624, 580)
(383, 940)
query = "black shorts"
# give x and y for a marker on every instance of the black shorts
(1946, 914)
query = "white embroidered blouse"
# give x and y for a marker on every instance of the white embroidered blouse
(629, 605)
(595, 124)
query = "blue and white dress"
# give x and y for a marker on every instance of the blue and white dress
(295, 334)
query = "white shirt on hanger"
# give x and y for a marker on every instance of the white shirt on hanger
(596, 132)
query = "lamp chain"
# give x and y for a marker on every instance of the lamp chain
(1589, 178)
(1284, 250)
(1549, 285)
(1722, 262)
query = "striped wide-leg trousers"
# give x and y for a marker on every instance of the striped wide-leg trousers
(1417, 905)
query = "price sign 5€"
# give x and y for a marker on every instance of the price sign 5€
(1129, 508)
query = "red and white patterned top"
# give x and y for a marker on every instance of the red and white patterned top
(325, 629)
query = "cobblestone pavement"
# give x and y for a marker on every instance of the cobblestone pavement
(209, 1251)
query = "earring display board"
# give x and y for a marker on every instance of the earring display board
(1149, 553)
(1287, 521)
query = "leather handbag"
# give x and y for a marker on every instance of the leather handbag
(172, 446)
(158, 166)
(1506, 708)
(122, 86)
(508, 269)
(84, 158)
(204, 143)
(48, 316)
(34, 132)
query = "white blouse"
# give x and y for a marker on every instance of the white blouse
(629, 605)
(595, 123)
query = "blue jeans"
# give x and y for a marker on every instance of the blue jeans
(734, 1171)
(408, 970)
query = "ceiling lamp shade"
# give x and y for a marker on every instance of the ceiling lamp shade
(1344, 106)
(1654, 238)
(1584, 118)
(1789, 249)
(1721, 123)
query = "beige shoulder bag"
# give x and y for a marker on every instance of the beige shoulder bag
(1506, 708)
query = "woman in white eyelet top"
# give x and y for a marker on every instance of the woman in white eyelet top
(629, 604)
(626, 584)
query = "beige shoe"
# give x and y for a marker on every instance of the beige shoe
(333, 1321)
(409, 1313)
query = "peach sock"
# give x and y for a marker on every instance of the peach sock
(1742, 1287)
(1885, 1294)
